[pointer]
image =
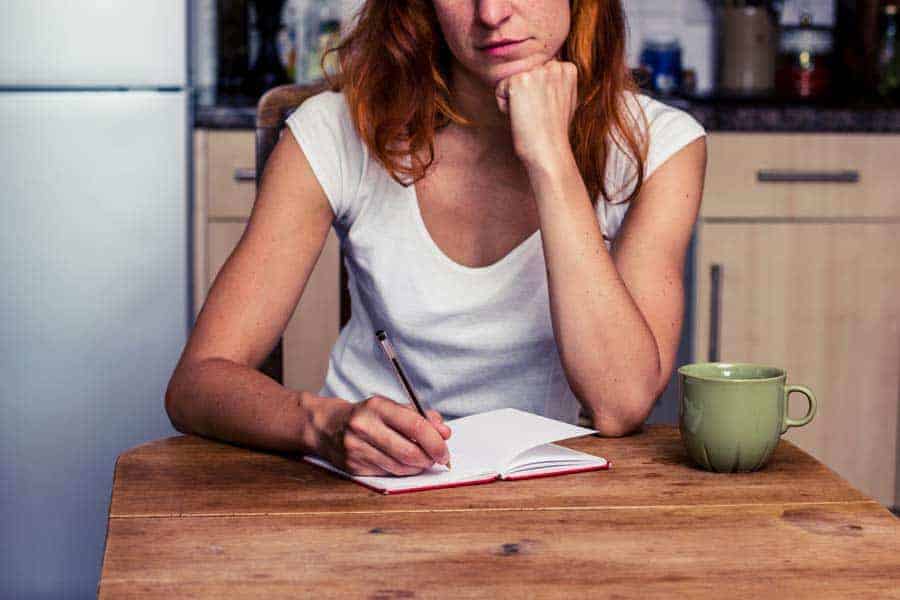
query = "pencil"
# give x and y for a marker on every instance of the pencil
(388, 348)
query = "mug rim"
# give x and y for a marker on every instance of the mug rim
(781, 372)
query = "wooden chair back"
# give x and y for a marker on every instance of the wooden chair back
(271, 111)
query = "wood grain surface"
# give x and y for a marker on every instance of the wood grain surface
(764, 551)
(195, 518)
(187, 475)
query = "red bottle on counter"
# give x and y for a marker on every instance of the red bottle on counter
(804, 61)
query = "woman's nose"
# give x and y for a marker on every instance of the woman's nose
(493, 12)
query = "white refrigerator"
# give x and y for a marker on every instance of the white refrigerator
(94, 239)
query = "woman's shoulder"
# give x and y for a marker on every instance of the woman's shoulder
(328, 103)
(666, 128)
(662, 130)
(659, 117)
(326, 114)
(323, 129)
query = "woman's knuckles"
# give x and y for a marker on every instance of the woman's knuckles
(352, 442)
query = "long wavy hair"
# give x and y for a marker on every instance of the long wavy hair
(393, 67)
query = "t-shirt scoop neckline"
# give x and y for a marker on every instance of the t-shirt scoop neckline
(506, 260)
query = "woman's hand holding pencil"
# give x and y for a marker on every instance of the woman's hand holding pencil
(379, 436)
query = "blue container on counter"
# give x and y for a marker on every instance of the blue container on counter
(662, 59)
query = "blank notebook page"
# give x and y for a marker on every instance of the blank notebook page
(485, 443)
(500, 435)
(549, 457)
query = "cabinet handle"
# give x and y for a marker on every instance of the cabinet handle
(715, 311)
(244, 174)
(788, 176)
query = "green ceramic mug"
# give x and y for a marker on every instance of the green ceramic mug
(732, 415)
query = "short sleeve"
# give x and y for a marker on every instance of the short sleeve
(323, 129)
(671, 129)
(668, 130)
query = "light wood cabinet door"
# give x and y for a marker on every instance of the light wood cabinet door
(823, 301)
(314, 327)
(232, 174)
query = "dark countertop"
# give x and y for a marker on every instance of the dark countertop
(715, 114)
(223, 111)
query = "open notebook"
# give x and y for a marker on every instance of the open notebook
(500, 444)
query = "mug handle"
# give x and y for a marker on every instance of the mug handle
(789, 422)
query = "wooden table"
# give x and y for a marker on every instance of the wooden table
(194, 518)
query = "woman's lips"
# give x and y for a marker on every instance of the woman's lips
(502, 49)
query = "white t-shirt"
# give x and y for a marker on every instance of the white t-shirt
(469, 339)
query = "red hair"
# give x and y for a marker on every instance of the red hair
(394, 66)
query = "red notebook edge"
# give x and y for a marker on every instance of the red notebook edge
(564, 472)
(422, 488)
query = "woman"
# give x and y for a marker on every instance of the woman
(515, 217)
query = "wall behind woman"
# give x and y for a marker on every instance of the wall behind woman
(691, 22)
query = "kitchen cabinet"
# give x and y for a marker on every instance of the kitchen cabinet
(820, 176)
(224, 190)
(798, 266)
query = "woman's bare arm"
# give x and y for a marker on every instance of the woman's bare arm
(215, 390)
(617, 315)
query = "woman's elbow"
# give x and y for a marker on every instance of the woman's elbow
(172, 402)
(630, 419)
(618, 427)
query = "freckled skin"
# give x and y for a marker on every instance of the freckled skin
(468, 24)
